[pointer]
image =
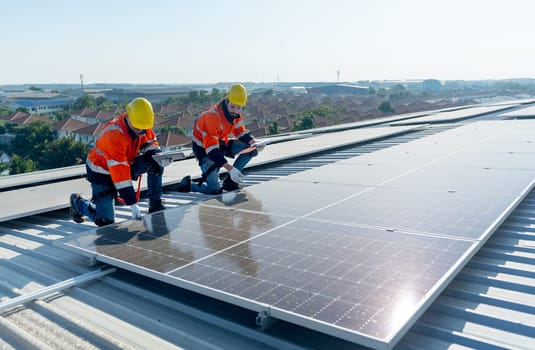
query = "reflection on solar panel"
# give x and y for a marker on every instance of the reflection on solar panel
(337, 249)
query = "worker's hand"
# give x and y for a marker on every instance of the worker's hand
(136, 212)
(236, 175)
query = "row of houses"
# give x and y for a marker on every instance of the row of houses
(261, 111)
(85, 126)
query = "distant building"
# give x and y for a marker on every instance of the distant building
(41, 106)
(339, 89)
(38, 102)
(299, 90)
(431, 85)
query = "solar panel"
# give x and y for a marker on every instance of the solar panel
(521, 112)
(453, 214)
(356, 249)
(451, 116)
(350, 277)
(285, 198)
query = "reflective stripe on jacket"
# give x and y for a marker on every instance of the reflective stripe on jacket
(212, 126)
(115, 150)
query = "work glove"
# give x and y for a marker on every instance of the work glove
(136, 212)
(236, 175)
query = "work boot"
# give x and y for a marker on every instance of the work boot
(185, 184)
(229, 185)
(75, 214)
(156, 206)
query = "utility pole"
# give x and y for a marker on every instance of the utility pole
(338, 76)
(82, 82)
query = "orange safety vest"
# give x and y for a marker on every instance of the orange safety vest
(115, 150)
(212, 126)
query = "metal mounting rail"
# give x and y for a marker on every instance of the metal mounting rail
(71, 282)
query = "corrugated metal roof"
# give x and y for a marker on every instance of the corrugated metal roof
(489, 305)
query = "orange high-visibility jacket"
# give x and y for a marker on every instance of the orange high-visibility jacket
(115, 150)
(212, 127)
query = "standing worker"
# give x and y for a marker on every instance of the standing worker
(211, 144)
(123, 151)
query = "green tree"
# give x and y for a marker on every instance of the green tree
(306, 122)
(85, 101)
(3, 166)
(386, 107)
(216, 95)
(194, 96)
(20, 165)
(31, 140)
(65, 151)
(22, 109)
(176, 129)
(398, 91)
(10, 127)
(273, 128)
(103, 103)
(4, 110)
(325, 111)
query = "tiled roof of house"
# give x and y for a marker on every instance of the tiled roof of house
(69, 124)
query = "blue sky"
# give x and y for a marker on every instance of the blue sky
(208, 41)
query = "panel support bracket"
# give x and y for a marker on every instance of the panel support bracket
(264, 320)
(92, 260)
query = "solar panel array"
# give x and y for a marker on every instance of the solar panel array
(356, 249)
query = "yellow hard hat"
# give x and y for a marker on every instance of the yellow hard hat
(140, 113)
(237, 95)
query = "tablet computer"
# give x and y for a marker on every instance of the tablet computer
(168, 157)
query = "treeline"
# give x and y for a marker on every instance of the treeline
(35, 147)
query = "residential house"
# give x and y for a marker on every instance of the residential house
(98, 116)
(89, 134)
(26, 118)
(170, 141)
(68, 127)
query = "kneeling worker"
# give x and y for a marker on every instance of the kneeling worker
(211, 144)
(122, 152)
